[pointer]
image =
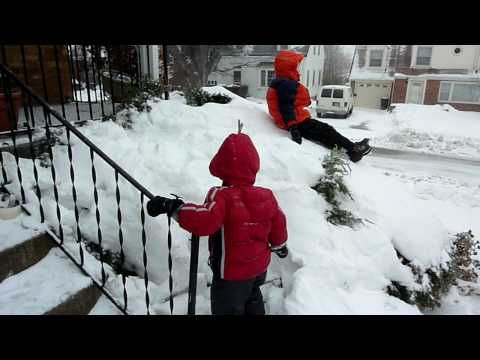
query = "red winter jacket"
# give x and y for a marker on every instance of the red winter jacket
(244, 221)
(286, 97)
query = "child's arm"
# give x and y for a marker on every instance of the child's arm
(278, 234)
(203, 220)
(286, 93)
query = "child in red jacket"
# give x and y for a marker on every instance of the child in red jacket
(287, 100)
(244, 224)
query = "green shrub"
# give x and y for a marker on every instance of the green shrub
(199, 97)
(462, 269)
(332, 187)
(137, 99)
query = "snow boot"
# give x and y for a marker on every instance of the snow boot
(360, 149)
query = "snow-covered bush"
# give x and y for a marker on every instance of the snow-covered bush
(435, 282)
(112, 258)
(137, 101)
(333, 188)
(198, 97)
(148, 90)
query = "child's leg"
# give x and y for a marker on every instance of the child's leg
(255, 305)
(229, 297)
(325, 134)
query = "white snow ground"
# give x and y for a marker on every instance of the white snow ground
(330, 269)
(437, 129)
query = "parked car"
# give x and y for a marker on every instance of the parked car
(335, 100)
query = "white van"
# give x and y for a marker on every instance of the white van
(335, 99)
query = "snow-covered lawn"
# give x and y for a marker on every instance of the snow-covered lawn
(438, 129)
(331, 269)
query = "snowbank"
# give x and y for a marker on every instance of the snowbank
(331, 269)
(433, 128)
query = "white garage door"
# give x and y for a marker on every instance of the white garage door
(369, 93)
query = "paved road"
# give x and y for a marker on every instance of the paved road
(415, 163)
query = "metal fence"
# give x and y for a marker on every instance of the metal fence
(18, 98)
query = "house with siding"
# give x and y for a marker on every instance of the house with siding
(255, 70)
(418, 74)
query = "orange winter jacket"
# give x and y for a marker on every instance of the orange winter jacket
(286, 97)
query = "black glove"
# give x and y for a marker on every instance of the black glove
(161, 205)
(295, 133)
(282, 252)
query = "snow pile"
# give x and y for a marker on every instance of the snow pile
(433, 128)
(331, 269)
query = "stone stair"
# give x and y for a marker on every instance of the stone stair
(36, 278)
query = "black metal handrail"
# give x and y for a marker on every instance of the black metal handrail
(49, 112)
(74, 130)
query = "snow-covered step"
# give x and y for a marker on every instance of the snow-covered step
(52, 286)
(23, 243)
(20, 257)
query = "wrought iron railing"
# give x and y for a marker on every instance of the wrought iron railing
(82, 82)
(18, 96)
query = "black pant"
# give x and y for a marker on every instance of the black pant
(244, 297)
(324, 134)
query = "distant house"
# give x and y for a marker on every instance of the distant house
(256, 69)
(419, 74)
(311, 70)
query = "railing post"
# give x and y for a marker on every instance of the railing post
(87, 78)
(165, 70)
(192, 285)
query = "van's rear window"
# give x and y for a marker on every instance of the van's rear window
(338, 94)
(327, 93)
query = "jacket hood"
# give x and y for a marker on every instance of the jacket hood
(286, 63)
(237, 161)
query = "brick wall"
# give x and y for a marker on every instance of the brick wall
(15, 64)
(465, 107)
(431, 92)
(399, 91)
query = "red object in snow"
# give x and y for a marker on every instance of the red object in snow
(244, 221)
(286, 64)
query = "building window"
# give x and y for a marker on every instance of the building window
(376, 57)
(308, 78)
(459, 92)
(319, 78)
(313, 77)
(237, 77)
(266, 76)
(424, 55)
(445, 91)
